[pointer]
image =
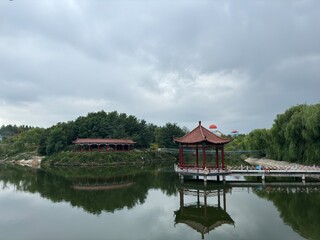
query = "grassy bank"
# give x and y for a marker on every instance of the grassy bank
(104, 159)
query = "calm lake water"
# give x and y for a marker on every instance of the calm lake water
(149, 203)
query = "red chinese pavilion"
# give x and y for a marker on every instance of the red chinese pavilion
(204, 140)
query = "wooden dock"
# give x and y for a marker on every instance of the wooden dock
(257, 171)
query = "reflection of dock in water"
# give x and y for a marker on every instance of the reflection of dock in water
(203, 216)
(279, 187)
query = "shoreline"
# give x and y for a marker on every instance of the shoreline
(270, 162)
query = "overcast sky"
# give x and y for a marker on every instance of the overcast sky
(236, 64)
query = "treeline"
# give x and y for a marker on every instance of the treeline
(17, 139)
(11, 130)
(294, 136)
(95, 125)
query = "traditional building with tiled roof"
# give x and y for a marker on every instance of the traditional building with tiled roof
(201, 135)
(93, 144)
(202, 139)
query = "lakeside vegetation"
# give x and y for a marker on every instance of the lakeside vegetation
(294, 137)
(59, 137)
(107, 159)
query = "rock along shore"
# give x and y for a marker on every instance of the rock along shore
(34, 162)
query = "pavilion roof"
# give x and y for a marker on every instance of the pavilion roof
(102, 141)
(201, 135)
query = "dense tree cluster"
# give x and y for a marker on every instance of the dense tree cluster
(95, 125)
(19, 139)
(12, 130)
(106, 125)
(294, 136)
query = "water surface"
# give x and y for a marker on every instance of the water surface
(149, 203)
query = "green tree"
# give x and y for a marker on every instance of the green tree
(165, 134)
(258, 139)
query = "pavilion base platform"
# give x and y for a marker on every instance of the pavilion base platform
(204, 173)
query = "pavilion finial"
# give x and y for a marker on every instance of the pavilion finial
(199, 123)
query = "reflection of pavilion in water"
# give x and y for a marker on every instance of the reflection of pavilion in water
(201, 215)
(103, 183)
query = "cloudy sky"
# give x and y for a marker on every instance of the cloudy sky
(236, 64)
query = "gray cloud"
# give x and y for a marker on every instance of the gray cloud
(234, 63)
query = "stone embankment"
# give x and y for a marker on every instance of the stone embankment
(34, 162)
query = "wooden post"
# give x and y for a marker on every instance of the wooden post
(197, 156)
(222, 156)
(204, 160)
(217, 157)
(180, 155)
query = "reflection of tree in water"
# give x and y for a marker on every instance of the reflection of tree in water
(58, 185)
(299, 207)
(203, 216)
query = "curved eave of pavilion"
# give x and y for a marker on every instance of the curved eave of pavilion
(202, 142)
(201, 135)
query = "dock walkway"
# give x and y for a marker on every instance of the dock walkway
(258, 171)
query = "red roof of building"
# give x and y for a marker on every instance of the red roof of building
(102, 141)
(201, 135)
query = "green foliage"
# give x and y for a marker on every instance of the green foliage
(164, 135)
(95, 125)
(9, 130)
(258, 139)
(295, 135)
(103, 158)
(25, 140)
(154, 146)
(238, 143)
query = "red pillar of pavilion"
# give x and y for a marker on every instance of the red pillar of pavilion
(197, 156)
(181, 155)
(217, 157)
(204, 159)
(222, 157)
